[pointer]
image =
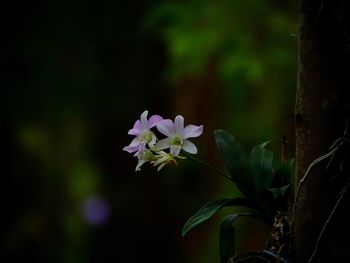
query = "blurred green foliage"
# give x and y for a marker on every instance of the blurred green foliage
(252, 49)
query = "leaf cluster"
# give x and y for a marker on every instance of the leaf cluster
(264, 189)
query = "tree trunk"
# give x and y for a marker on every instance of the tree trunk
(322, 80)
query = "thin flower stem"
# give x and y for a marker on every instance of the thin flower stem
(208, 166)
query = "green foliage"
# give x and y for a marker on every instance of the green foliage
(243, 44)
(262, 188)
(253, 175)
(261, 166)
(198, 30)
(209, 209)
(235, 158)
(283, 174)
(227, 238)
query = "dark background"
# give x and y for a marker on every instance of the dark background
(75, 77)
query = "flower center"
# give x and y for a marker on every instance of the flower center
(146, 137)
(177, 141)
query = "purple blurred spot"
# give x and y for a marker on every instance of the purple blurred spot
(96, 210)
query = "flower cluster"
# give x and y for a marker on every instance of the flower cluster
(148, 148)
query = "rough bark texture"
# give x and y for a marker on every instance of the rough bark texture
(322, 76)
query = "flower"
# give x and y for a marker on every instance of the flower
(143, 133)
(177, 136)
(162, 159)
(144, 156)
(146, 147)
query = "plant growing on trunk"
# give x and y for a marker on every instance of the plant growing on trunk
(264, 189)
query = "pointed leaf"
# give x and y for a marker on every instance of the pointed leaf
(227, 235)
(235, 159)
(227, 239)
(209, 209)
(283, 175)
(261, 166)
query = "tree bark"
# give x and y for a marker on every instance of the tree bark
(322, 76)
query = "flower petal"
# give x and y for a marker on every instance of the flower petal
(163, 144)
(160, 167)
(160, 160)
(175, 150)
(143, 119)
(136, 130)
(179, 124)
(189, 147)
(131, 149)
(140, 149)
(166, 127)
(133, 146)
(139, 164)
(191, 131)
(154, 120)
(153, 141)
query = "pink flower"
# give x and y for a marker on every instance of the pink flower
(177, 136)
(144, 136)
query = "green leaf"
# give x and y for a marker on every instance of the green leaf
(227, 235)
(261, 166)
(227, 239)
(209, 209)
(235, 159)
(283, 175)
